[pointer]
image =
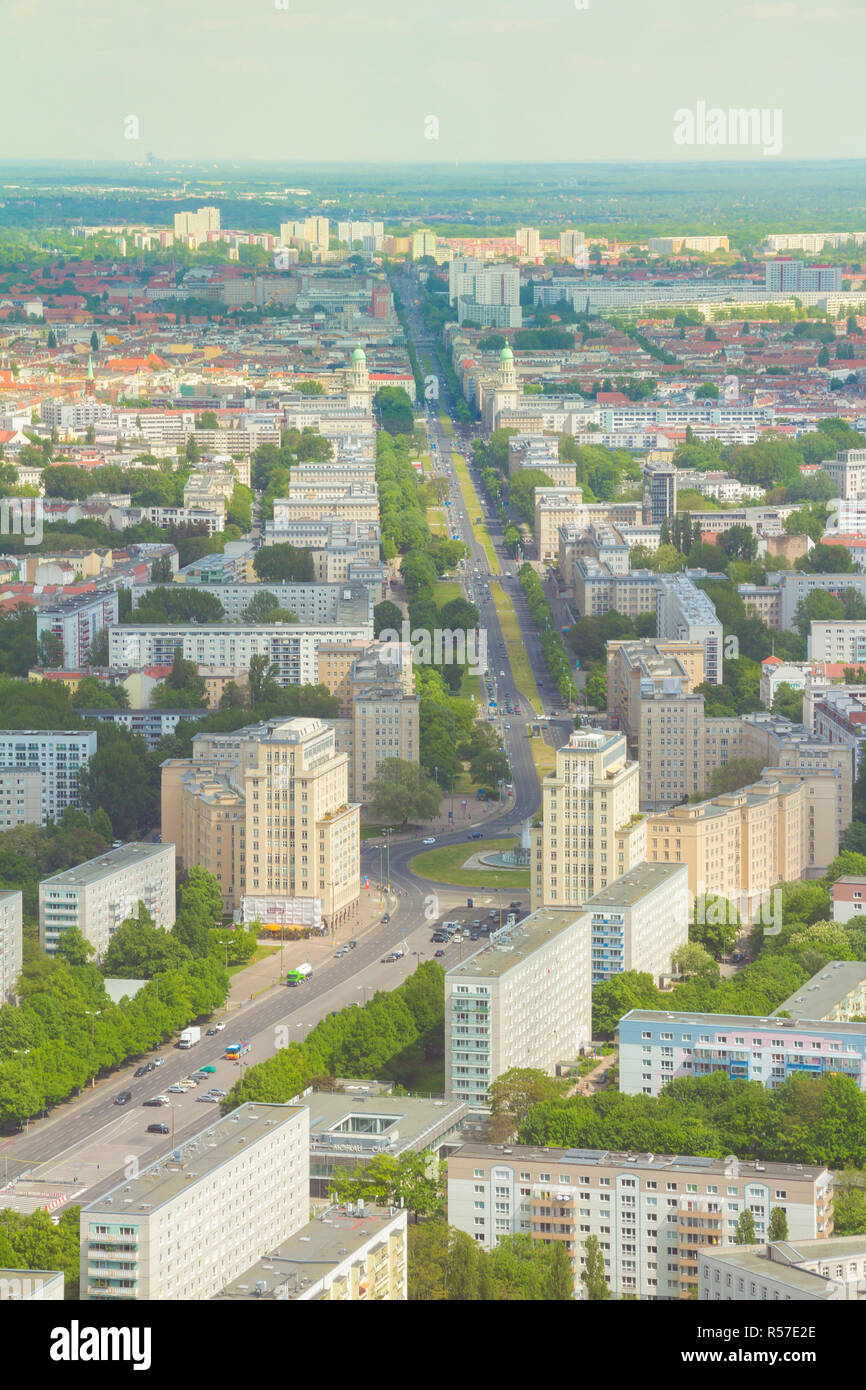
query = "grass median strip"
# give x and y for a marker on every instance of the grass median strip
(445, 865)
(473, 509)
(517, 653)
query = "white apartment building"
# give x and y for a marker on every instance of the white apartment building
(523, 1000)
(840, 640)
(290, 647)
(685, 613)
(482, 282)
(75, 622)
(791, 1271)
(639, 920)
(310, 603)
(58, 757)
(76, 415)
(194, 1220)
(97, 896)
(20, 797)
(652, 1214)
(592, 831)
(787, 276)
(11, 940)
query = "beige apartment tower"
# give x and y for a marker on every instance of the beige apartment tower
(266, 809)
(592, 830)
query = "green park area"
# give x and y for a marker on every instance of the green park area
(445, 865)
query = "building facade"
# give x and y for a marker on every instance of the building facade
(98, 896)
(522, 1000)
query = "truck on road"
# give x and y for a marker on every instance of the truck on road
(189, 1037)
(297, 977)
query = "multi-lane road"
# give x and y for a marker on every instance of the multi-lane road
(93, 1140)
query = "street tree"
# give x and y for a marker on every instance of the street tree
(402, 792)
(592, 1276)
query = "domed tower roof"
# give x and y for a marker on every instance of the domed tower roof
(359, 355)
(506, 355)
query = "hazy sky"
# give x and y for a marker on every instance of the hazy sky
(356, 79)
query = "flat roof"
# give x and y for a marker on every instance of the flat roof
(410, 1122)
(311, 1253)
(630, 887)
(512, 946)
(826, 988)
(113, 861)
(752, 1259)
(745, 1021)
(609, 1158)
(198, 1157)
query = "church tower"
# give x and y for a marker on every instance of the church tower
(359, 393)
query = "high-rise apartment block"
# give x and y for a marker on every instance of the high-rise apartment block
(639, 921)
(266, 809)
(57, 757)
(194, 1220)
(659, 492)
(572, 245)
(684, 612)
(592, 831)
(196, 225)
(786, 276)
(20, 797)
(522, 1000)
(653, 1215)
(74, 623)
(11, 940)
(97, 897)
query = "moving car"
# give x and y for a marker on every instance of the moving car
(141, 1071)
(157, 1062)
(386, 918)
(437, 954)
(123, 1098)
(476, 835)
(208, 1071)
(429, 840)
(158, 1100)
(350, 945)
(211, 1033)
(158, 1129)
(220, 1027)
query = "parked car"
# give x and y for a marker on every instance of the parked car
(178, 1089)
(211, 1100)
(215, 1091)
(158, 1100)
(437, 954)
(473, 936)
(158, 1129)
(123, 1098)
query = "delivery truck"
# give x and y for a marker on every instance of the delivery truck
(189, 1037)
